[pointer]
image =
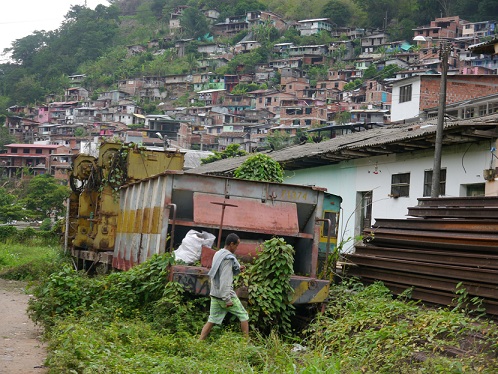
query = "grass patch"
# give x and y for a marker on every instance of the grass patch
(28, 262)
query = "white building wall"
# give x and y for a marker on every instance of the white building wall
(464, 165)
(408, 109)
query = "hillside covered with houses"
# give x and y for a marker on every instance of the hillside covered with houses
(254, 78)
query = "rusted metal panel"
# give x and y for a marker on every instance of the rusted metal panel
(457, 244)
(249, 189)
(454, 212)
(434, 239)
(436, 297)
(100, 257)
(306, 290)
(141, 232)
(446, 271)
(441, 257)
(457, 225)
(279, 218)
(470, 201)
(482, 290)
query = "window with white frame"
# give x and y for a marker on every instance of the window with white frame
(428, 182)
(400, 185)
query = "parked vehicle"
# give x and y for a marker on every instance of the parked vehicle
(153, 213)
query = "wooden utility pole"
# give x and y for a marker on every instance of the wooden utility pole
(444, 50)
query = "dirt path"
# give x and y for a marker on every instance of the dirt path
(21, 349)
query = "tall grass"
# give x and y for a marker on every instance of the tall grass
(28, 255)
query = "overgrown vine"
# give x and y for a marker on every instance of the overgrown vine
(269, 287)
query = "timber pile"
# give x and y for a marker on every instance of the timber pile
(450, 241)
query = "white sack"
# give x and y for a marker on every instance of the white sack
(190, 249)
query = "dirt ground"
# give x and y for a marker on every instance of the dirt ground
(21, 348)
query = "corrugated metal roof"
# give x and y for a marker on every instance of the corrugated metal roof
(378, 141)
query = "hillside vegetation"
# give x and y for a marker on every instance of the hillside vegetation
(93, 42)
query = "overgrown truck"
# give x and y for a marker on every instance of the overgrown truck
(131, 203)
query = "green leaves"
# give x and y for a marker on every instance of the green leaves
(260, 167)
(269, 287)
(232, 150)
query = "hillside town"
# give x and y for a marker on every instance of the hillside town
(299, 106)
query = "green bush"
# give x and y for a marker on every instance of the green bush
(26, 235)
(7, 232)
(260, 167)
(46, 224)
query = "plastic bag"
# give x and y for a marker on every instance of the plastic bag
(190, 249)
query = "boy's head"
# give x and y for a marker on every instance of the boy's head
(231, 242)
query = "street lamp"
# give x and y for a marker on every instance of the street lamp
(444, 50)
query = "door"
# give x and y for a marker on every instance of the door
(366, 211)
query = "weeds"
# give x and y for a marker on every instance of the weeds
(137, 322)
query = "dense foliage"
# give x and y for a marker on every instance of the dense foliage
(232, 150)
(34, 198)
(270, 292)
(260, 167)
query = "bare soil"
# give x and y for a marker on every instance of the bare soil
(21, 348)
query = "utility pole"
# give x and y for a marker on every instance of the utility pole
(444, 50)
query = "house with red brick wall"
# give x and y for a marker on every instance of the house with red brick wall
(377, 94)
(27, 159)
(303, 112)
(445, 27)
(413, 95)
(131, 86)
(270, 99)
(478, 70)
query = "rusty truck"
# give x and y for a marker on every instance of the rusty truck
(131, 203)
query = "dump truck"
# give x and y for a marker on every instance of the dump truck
(123, 217)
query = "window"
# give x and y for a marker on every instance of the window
(25, 150)
(476, 189)
(405, 93)
(39, 151)
(308, 111)
(400, 185)
(469, 113)
(13, 150)
(332, 216)
(428, 182)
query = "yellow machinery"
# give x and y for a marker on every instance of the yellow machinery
(95, 182)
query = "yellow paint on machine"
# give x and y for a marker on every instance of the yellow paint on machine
(140, 221)
(314, 296)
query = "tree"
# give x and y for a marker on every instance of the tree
(338, 11)
(193, 23)
(45, 195)
(5, 138)
(278, 140)
(10, 208)
(28, 90)
(23, 50)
